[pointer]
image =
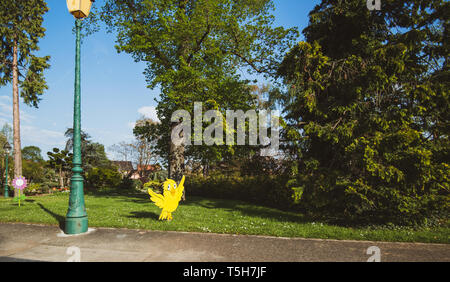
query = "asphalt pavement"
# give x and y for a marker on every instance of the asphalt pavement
(30, 242)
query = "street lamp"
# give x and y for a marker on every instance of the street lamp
(79, 8)
(76, 218)
(7, 149)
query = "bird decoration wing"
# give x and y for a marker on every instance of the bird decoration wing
(158, 199)
(180, 189)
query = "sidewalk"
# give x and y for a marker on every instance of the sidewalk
(26, 242)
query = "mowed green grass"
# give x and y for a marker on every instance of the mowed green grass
(136, 211)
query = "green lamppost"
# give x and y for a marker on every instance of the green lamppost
(76, 218)
(7, 149)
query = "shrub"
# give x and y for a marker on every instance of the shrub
(160, 175)
(379, 200)
(130, 184)
(99, 177)
(33, 189)
(137, 184)
(50, 180)
(155, 185)
(274, 191)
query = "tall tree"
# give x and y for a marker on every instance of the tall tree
(367, 109)
(33, 164)
(193, 50)
(123, 151)
(20, 31)
(144, 148)
(3, 140)
(32, 153)
(7, 131)
(85, 139)
(93, 154)
(5, 136)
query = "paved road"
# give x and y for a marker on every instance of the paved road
(26, 242)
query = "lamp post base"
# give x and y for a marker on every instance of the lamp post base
(76, 225)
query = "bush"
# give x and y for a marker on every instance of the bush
(130, 184)
(33, 189)
(50, 180)
(375, 200)
(160, 175)
(155, 185)
(99, 177)
(273, 191)
(137, 184)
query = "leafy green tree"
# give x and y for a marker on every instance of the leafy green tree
(32, 153)
(20, 31)
(5, 136)
(366, 110)
(3, 140)
(33, 164)
(97, 177)
(7, 132)
(33, 171)
(193, 50)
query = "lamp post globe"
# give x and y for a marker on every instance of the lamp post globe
(7, 148)
(76, 218)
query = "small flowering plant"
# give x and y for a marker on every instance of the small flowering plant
(19, 183)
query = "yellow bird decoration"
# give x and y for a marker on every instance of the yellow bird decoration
(170, 198)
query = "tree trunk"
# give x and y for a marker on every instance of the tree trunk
(61, 179)
(176, 160)
(16, 115)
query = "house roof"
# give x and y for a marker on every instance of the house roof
(146, 167)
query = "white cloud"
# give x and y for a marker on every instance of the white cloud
(149, 112)
(39, 136)
(29, 133)
(6, 110)
(131, 124)
(5, 98)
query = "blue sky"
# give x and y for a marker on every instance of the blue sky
(114, 92)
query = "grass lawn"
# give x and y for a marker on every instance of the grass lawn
(135, 211)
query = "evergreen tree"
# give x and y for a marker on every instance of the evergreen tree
(367, 110)
(92, 154)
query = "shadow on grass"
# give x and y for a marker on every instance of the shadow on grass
(61, 219)
(111, 192)
(124, 195)
(247, 209)
(139, 201)
(141, 214)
